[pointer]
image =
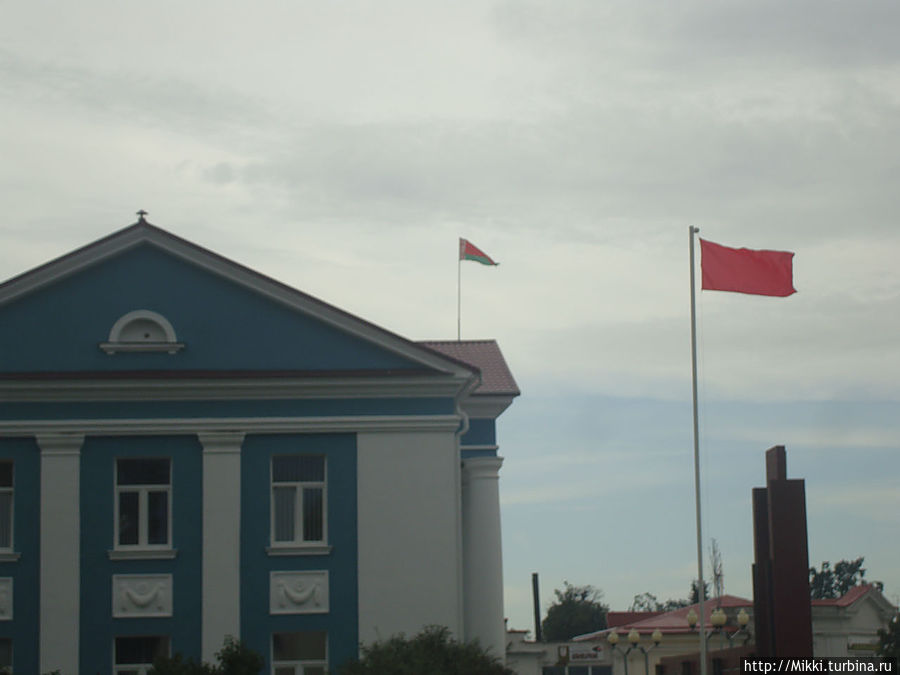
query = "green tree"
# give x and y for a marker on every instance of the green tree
(577, 610)
(645, 602)
(235, 658)
(889, 639)
(833, 582)
(694, 596)
(432, 651)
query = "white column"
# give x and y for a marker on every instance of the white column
(221, 570)
(60, 569)
(482, 554)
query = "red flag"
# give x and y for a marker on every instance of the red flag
(745, 270)
(468, 251)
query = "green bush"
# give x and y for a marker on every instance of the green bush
(235, 658)
(432, 651)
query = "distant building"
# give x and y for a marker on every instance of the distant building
(849, 625)
(845, 626)
(190, 450)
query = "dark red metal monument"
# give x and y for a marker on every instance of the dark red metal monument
(781, 606)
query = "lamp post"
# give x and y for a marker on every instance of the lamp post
(634, 639)
(718, 619)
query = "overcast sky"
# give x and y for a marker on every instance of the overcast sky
(343, 147)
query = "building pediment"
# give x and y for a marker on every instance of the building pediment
(143, 300)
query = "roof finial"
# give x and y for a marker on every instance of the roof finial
(141, 215)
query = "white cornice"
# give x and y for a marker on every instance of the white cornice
(214, 389)
(250, 425)
(486, 406)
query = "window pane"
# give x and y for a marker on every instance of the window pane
(312, 514)
(297, 468)
(313, 670)
(299, 646)
(6, 519)
(5, 652)
(6, 474)
(285, 499)
(128, 520)
(131, 650)
(285, 670)
(158, 517)
(143, 471)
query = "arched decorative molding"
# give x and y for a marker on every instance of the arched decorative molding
(142, 331)
(298, 592)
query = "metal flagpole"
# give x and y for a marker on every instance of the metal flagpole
(700, 586)
(458, 296)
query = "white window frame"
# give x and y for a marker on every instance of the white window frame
(10, 490)
(143, 492)
(299, 665)
(298, 542)
(141, 668)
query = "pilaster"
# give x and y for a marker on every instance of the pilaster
(221, 606)
(60, 541)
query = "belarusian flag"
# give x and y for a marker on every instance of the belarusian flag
(468, 251)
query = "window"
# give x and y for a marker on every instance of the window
(142, 331)
(135, 655)
(6, 505)
(143, 503)
(298, 500)
(299, 653)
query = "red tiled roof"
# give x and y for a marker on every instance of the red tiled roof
(846, 599)
(496, 378)
(671, 622)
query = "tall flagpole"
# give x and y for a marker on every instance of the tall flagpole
(700, 586)
(458, 296)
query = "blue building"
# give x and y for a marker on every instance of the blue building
(190, 450)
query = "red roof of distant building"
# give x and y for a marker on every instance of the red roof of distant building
(670, 622)
(616, 619)
(496, 378)
(847, 598)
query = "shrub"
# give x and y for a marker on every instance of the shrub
(432, 651)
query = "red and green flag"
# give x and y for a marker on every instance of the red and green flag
(468, 251)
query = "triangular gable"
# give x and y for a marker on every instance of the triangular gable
(227, 316)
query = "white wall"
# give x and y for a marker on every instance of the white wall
(409, 527)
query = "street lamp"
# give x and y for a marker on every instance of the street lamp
(743, 620)
(718, 619)
(634, 639)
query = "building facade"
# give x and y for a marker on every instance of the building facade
(191, 450)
